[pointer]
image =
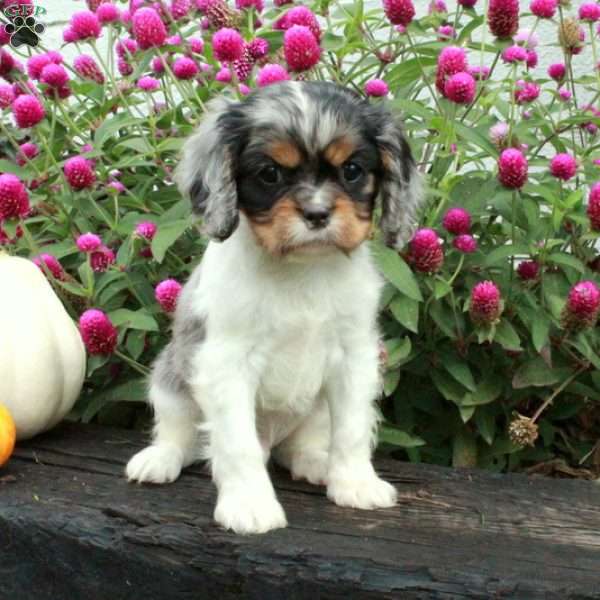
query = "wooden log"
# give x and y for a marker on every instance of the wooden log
(72, 527)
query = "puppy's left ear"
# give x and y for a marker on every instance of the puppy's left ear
(401, 190)
(205, 174)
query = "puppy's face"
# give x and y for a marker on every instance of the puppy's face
(305, 163)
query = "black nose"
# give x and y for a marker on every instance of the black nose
(316, 217)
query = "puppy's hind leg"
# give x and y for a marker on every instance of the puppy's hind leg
(305, 452)
(176, 439)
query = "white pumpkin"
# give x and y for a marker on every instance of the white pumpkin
(42, 356)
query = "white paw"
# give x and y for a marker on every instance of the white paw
(159, 463)
(311, 466)
(366, 492)
(246, 511)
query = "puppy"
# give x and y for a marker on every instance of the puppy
(275, 342)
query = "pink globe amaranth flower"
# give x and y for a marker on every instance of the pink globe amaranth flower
(512, 168)
(526, 92)
(499, 134)
(116, 187)
(528, 270)
(299, 15)
(87, 68)
(69, 35)
(460, 88)
(166, 293)
(14, 199)
(148, 84)
(376, 88)
(300, 48)
(185, 68)
(582, 306)
(108, 13)
(228, 45)
(425, 251)
(243, 66)
(102, 259)
(589, 11)
(465, 243)
(36, 63)
(78, 172)
(479, 73)
(527, 38)
(146, 229)
(563, 166)
(54, 75)
(27, 110)
(270, 74)
(243, 4)
(503, 17)
(174, 40)
(88, 242)
(593, 207)
(126, 47)
(157, 64)
(52, 265)
(180, 9)
(223, 75)
(544, 9)
(7, 95)
(98, 333)
(258, 48)
(124, 67)
(4, 36)
(446, 32)
(466, 3)
(457, 220)
(148, 29)
(196, 45)
(27, 151)
(485, 307)
(437, 6)
(451, 60)
(85, 25)
(7, 63)
(557, 71)
(243, 89)
(399, 12)
(514, 54)
(532, 59)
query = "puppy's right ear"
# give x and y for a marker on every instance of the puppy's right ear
(205, 174)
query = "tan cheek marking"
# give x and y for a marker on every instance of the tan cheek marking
(339, 151)
(370, 185)
(285, 153)
(355, 223)
(272, 229)
(386, 159)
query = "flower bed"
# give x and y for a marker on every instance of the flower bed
(489, 315)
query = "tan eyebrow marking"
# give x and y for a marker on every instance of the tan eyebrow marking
(285, 153)
(340, 150)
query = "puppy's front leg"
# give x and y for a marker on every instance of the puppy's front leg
(351, 390)
(246, 500)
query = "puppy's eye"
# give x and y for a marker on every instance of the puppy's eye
(270, 175)
(352, 172)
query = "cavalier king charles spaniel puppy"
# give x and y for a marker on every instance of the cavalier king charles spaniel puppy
(275, 342)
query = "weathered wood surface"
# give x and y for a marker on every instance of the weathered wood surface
(72, 528)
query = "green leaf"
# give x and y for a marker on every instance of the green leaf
(507, 336)
(131, 391)
(534, 373)
(135, 343)
(499, 254)
(166, 236)
(397, 437)
(466, 412)
(332, 42)
(406, 312)
(441, 288)
(398, 350)
(133, 319)
(390, 381)
(486, 424)
(397, 272)
(95, 362)
(110, 126)
(459, 369)
(540, 329)
(568, 260)
(448, 387)
(7, 166)
(486, 391)
(443, 317)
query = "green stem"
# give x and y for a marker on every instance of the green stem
(136, 366)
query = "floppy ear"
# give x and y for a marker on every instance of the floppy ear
(205, 174)
(401, 190)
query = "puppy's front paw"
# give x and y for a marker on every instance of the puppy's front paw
(160, 463)
(366, 491)
(246, 511)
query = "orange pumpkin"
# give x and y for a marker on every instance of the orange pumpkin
(8, 434)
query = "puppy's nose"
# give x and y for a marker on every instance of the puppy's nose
(316, 217)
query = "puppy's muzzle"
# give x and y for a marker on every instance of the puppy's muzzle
(316, 217)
